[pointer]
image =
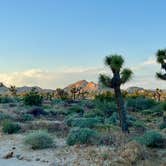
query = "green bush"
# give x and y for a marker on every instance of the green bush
(6, 99)
(85, 122)
(113, 119)
(82, 136)
(70, 118)
(108, 96)
(26, 117)
(151, 139)
(156, 110)
(106, 108)
(138, 124)
(10, 127)
(162, 125)
(130, 120)
(76, 109)
(39, 140)
(33, 98)
(94, 113)
(4, 116)
(140, 103)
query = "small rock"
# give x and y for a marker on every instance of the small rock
(37, 159)
(8, 155)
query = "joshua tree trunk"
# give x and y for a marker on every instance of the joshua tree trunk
(121, 110)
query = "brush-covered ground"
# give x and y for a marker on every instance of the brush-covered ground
(82, 133)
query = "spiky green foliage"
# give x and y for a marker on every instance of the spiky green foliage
(161, 59)
(126, 75)
(114, 61)
(105, 80)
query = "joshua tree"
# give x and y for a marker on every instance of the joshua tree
(74, 91)
(115, 63)
(61, 94)
(13, 90)
(161, 59)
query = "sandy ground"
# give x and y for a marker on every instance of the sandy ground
(15, 162)
(23, 155)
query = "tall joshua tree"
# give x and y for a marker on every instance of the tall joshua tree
(161, 59)
(115, 63)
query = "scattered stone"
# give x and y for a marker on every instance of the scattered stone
(37, 159)
(8, 155)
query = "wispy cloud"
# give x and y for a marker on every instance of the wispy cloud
(144, 76)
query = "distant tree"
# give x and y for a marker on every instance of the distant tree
(74, 91)
(115, 63)
(13, 90)
(61, 94)
(161, 59)
(158, 94)
(33, 98)
(49, 96)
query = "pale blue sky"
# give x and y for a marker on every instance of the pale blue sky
(56, 34)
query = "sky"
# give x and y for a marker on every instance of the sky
(52, 43)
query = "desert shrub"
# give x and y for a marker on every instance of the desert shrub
(69, 119)
(113, 119)
(151, 139)
(156, 110)
(163, 106)
(94, 113)
(106, 128)
(106, 108)
(37, 111)
(6, 99)
(10, 127)
(108, 96)
(33, 98)
(86, 122)
(130, 120)
(138, 124)
(82, 136)
(4, 116)
(39, 140)
(140, 103)
(75, 109)
(162, 125)
(26, 117)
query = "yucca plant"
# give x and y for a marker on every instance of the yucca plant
(115, 63)
(161, 59)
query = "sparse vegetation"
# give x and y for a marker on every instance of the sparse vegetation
(39, 140)
(82, 136)
(10, 127)
(33, 98)
(151, 139)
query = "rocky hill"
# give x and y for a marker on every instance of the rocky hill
(84, 85)
(134, 89)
